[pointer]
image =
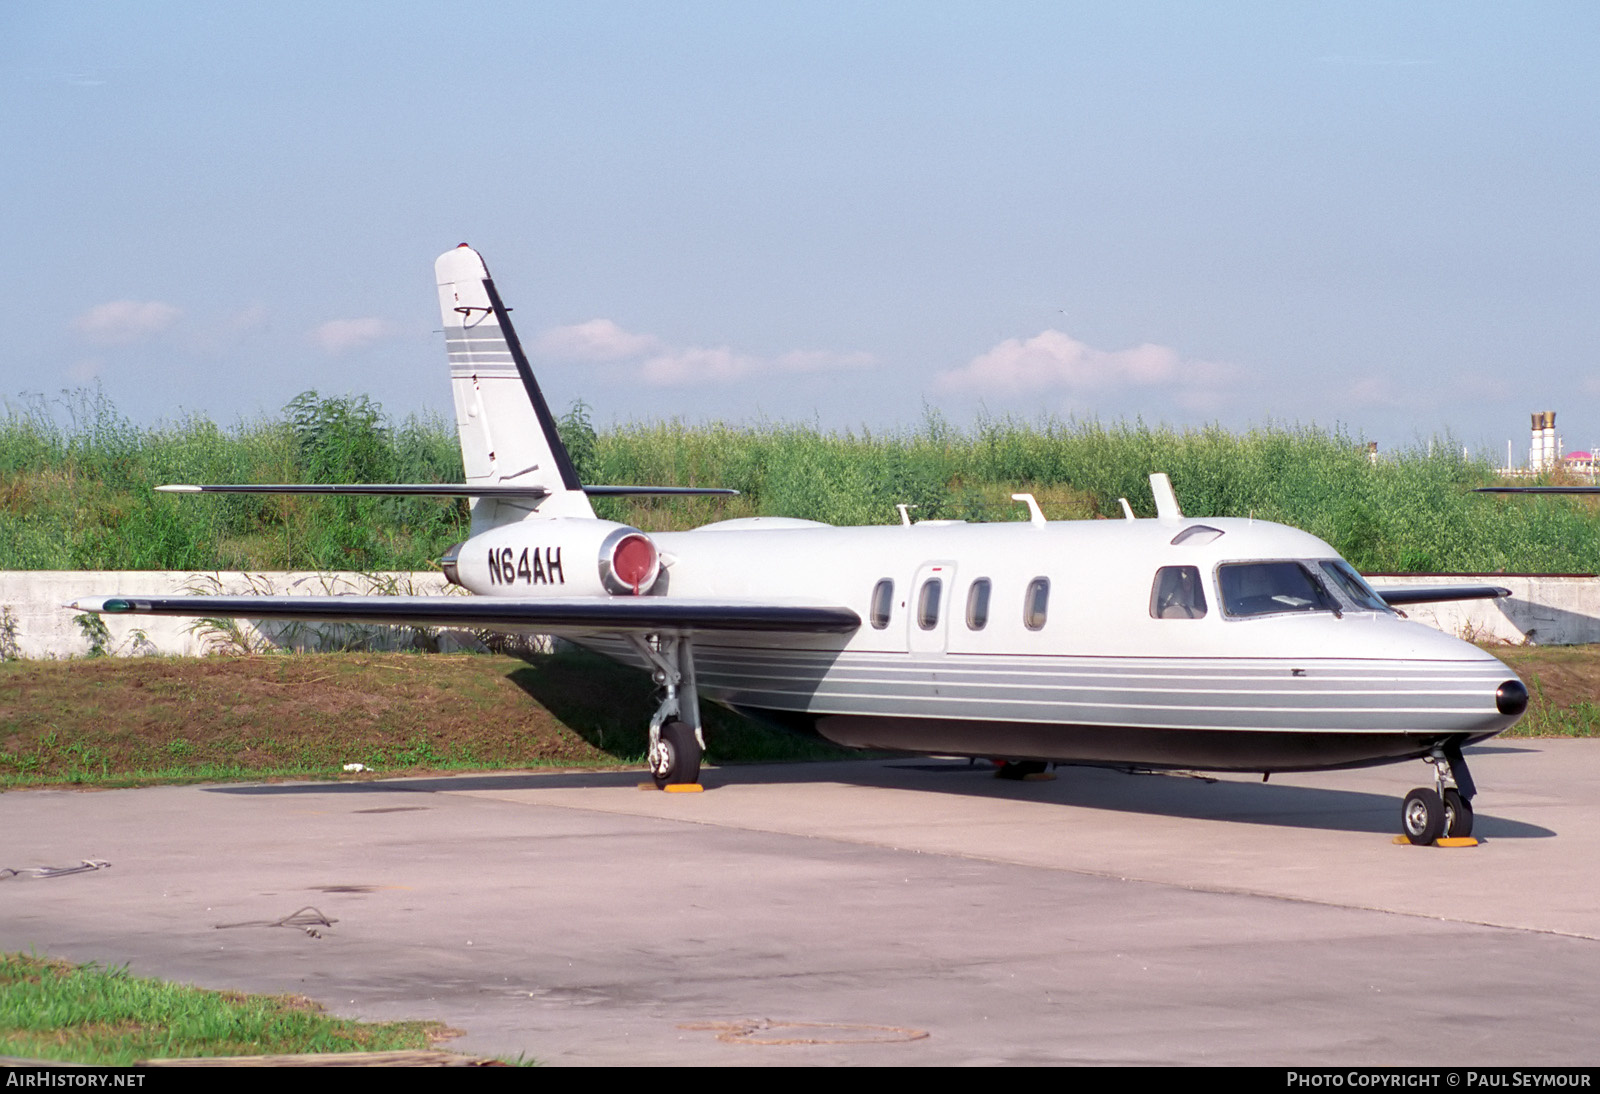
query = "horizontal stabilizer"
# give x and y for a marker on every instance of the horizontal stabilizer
(664, 491)
(633, 614)
(1538, 490)
(1399, 596)
(437, 490)
(375, 489)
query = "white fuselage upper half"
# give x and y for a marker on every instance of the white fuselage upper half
(1100, 576)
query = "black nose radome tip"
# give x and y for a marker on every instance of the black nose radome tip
(1511, 697)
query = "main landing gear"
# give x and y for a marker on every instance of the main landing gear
(1446, 808)
(676, 739)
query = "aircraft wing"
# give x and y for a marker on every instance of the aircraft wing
(1400, 595)
(635, 614)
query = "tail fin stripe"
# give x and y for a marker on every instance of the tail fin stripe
(569, 474)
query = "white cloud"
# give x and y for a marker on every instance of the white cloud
(338, 336)
(596, 340)
(123, 322)
(1052, 359)
(1372, 391)
(602, 341)
(699, 365)
(247, 319)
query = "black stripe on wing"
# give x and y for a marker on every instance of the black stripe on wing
(625, 614)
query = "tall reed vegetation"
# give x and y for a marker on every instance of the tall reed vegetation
(77, 489)
(77, 478)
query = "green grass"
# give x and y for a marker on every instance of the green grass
(76, 483)
(91, 1014)
(110, 722)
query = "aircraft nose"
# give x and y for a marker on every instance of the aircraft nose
(1511, 697)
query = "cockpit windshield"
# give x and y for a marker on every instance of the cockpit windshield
(1271, 588)
(1343, 577)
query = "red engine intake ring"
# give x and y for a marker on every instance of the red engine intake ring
(629, 562)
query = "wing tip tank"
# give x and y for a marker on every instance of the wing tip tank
(97, 604)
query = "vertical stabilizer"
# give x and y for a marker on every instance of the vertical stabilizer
(508, 436)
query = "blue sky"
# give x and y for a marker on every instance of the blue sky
(1377, 215)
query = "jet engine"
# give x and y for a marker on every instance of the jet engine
(556, 557)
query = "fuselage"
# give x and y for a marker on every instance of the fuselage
(1218, 644)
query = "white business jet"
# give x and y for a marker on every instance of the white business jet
(1172, 642)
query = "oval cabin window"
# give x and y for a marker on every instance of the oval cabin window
(1036, 604)
(978, 605)
(928, 604)
(882, 603)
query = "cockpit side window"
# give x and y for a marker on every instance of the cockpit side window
(1270, 588)
(1177, 594)
(882, 603)
(1343, 577)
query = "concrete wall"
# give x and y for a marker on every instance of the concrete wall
(34, 623)
(1543, 610)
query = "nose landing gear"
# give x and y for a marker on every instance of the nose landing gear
(1446, 808)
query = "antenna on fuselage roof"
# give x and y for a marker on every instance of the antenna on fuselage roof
(1127, 510)
(1166, 500)
(905, 515)
(1035, 514)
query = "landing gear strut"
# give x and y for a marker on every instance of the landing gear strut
(676, 739)
(1446, 808)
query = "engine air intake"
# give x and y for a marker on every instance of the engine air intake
(629, 562)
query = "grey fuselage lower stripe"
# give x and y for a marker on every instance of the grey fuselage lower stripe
(1343, 696)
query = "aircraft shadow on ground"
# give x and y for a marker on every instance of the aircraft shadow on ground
(1233, 800)
(608, 705)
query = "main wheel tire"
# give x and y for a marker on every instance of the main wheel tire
(1457, 815)
(1422, 816)
(679, 759)
(1019, 769)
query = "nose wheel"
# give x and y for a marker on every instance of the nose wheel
(1445, 809)
(1457, 815)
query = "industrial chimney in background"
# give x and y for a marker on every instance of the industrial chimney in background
(1543, 448)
